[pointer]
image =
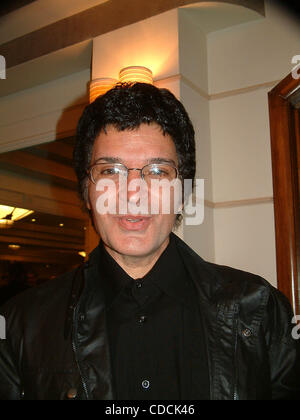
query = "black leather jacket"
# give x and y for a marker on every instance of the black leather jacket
(57, 348)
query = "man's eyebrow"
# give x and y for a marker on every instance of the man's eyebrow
(110, 159)
(161, 160)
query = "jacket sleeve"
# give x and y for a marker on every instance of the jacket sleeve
(10, 383)
(284, 349)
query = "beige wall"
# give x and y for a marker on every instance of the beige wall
(252, 53)
(152, 43)
(43, 113)
(192, 88)
(225, 79)
(245, 57)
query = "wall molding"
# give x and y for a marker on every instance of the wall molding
(238, 203)
(220, 95)
(241, 91)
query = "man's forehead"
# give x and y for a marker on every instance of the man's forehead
(143, 130)
(144, 143)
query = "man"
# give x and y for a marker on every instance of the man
(145, 318)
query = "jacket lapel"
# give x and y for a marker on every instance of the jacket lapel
(92, 340)
(218, 323)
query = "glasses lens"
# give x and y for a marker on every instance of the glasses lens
(159, 171)
(107, 170)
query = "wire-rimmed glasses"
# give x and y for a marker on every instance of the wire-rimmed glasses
(153, 171)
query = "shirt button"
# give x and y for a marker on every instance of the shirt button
(138, 284)
(146, 384)
(142, 319)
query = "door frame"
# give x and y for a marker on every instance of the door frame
(285, 145)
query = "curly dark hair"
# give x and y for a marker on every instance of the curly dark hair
(126, 107)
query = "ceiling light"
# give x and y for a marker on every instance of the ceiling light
(9, 215)
(82, 254)
(5, 223)
(136, 74)
(14, 247)
(100, 86)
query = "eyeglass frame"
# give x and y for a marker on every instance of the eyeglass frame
(89, 171)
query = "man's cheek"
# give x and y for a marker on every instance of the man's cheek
(105, 201)
(166, 198)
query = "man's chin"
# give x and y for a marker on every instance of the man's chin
(133, 246)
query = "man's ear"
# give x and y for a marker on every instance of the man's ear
(87, 197)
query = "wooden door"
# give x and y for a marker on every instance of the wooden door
(284, 106)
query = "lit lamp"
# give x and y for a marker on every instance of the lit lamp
(136, 74)
(100, 86)
(9, 215)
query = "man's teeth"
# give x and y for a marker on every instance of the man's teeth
(134, 220)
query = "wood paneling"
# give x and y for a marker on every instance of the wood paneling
(33, 163)
(57, 148)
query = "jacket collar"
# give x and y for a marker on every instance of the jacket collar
(202, 273)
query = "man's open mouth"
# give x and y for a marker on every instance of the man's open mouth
(131, 222)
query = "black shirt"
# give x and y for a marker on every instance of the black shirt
(154, 329)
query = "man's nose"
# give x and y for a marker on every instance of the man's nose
(133, 174)
(136, 186)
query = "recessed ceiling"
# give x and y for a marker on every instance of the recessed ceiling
(36, 14)
(8, 6)
(49, 67)
(215, 16)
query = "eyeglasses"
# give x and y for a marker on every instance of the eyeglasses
(113, 171)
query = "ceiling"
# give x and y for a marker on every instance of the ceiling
(19, 17)
(49, 162)
(8, 6)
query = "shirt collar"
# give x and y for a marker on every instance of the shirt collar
(168, 274)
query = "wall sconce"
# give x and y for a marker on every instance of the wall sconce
(136, 74)
(100, 86)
